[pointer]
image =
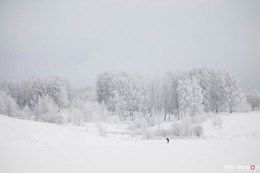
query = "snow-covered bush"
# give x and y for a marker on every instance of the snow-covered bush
(217, 121)
(176, 129)
(76, 116)
(180, 128)
(140, 123)
(152, 121)
(113, 119)
(46, 110)
(101, 129)
(243, 105)
(27, 113)
(93, 111)
(146, 134)
(164, 132)
(86, 111)
(185, 126)
(200, 118)
(197, 130)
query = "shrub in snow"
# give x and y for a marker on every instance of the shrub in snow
(101, 129)
(59, 119)
(76, 116)
(180, 128)
(147, 134)
(164, 132)
(75, 113)
(217, 121)
(94, 111)
(27, 113)
(197, 130)
(140, 123)
(243, 105)
(185, 127)
(87, 110)
(113, 119)
(200, 118)
(176, 129)
(46, 110)
(152, 121)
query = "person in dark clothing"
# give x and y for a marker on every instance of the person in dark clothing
(168, 140)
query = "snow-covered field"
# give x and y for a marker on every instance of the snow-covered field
(36, 147)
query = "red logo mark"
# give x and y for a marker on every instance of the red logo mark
(252, 167)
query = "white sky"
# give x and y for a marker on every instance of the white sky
(79, 39)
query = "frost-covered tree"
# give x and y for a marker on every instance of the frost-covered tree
(232, 92)
(88, 93)
(242, 104)
(170, 96)
(127, 93)
(203, 77)
(8, 105)
(105, 87)
(57, 88)
(28, 92)
(190, 96)
(217, 91)
(130, 96)
(121, 92)
(16, 90)
(76, 111)
(220, 89)
(153, 93)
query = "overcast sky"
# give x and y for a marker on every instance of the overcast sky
(79, 39)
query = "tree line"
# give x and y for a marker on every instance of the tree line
(171, 96)
(174, 94)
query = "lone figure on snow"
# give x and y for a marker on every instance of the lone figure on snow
(168, 140)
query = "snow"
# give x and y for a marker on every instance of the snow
(37, 147)
(235, 126)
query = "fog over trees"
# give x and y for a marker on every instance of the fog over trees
(128, 97)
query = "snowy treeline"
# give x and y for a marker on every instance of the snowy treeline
(128, 96)
(174, 95)
(29, 92)
(50, 100)
(41, 98)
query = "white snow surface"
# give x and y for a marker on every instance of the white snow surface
(37, 147)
